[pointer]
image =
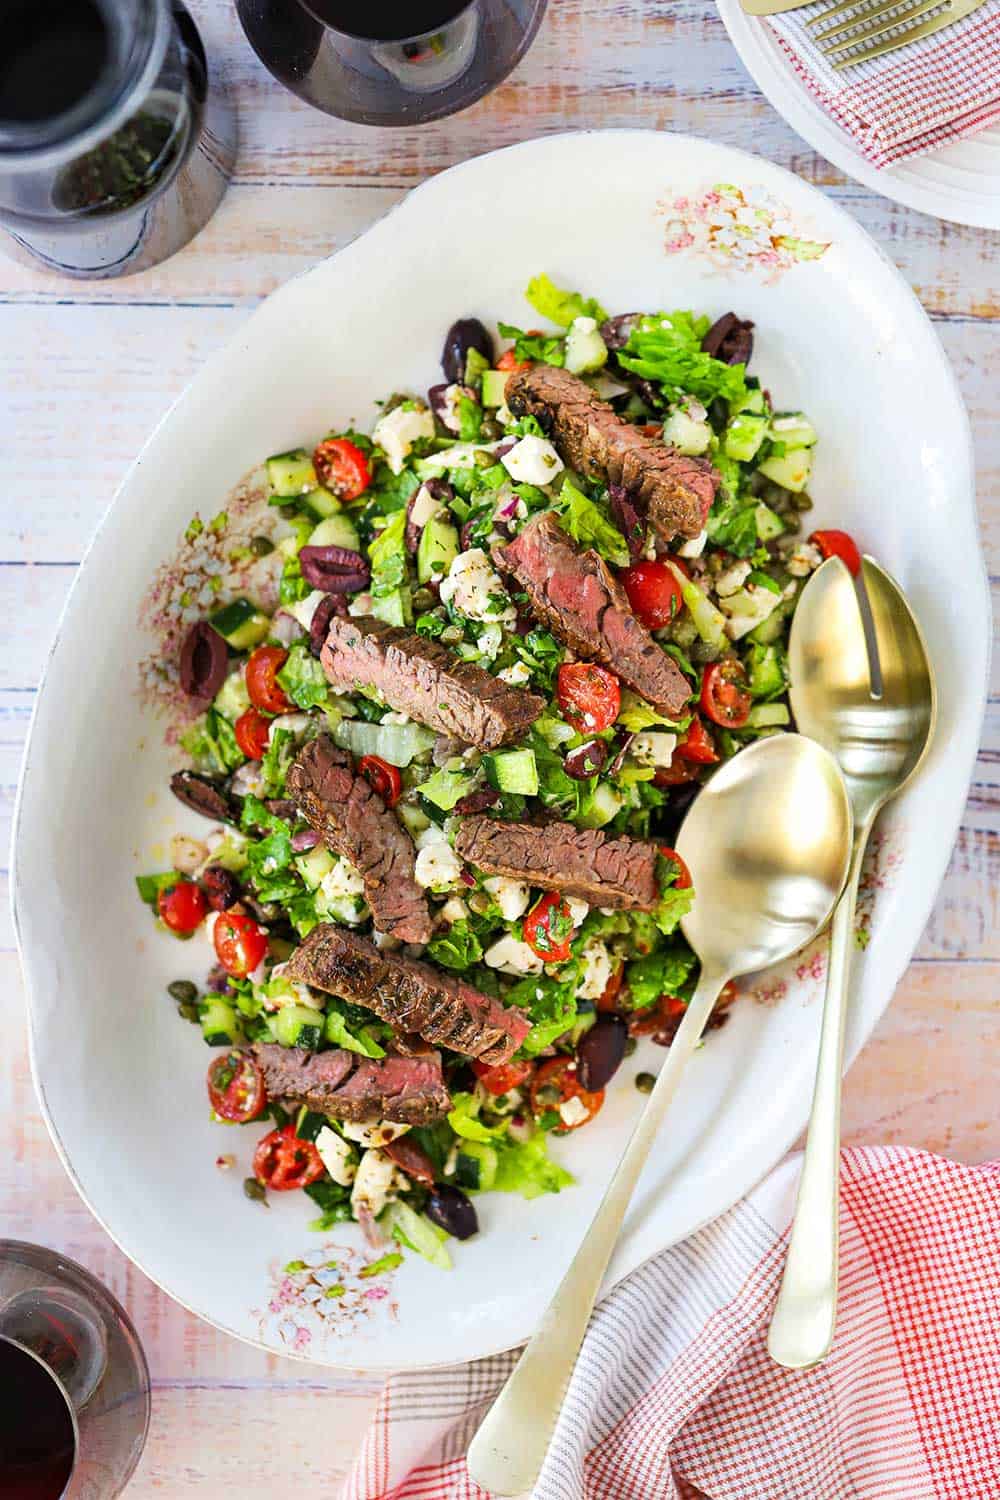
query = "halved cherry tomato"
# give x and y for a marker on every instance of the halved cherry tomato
(678, 773)
(252, 731)
(236, 1087)
(653, 592)
(509, 361)
(609, 995)
(839, 544)
(342, 468)
(182, 906)
(589, 696)
(239, 943)
(555, 1083)
(411, 1159)
(503, 1077)
(697, 744)
(548, 928)
(384, 778)
(683, 881)
(262, 669)
(282, 1162)
(724, 696)
(665, 1013)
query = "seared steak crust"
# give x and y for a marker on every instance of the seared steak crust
(407, 1090)
(410, 995)
(584, 862)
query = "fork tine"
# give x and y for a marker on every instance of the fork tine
(838, 10)
(875, 24)
(951, 11)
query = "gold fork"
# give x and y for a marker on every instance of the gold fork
(870, 27)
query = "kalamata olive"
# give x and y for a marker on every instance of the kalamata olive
(466, 538)
(338, 570)
(477, 801)
(222, 889)
(466, 334)
(206, 795)
(600, 1051)
(302, 842)
(616, 331)
(217, 982)
(319, 625)
(586, 760)
(628, 519)
(452, 1210)
(729, 339)
(204, 661)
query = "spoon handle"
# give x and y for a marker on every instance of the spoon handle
(805, 1314)
(507, 1453)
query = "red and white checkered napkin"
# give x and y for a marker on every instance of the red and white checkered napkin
(674, 1396)
(907, 102)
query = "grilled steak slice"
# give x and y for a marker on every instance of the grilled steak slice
(410, 995)
(422, 678)
(579, 598)
(676, 491)
(408, 1090)
(584, 862)
(351, 819)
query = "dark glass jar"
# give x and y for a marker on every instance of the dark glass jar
(114, 148)
(390, 64)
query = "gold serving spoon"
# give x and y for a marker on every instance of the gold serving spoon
(768, 843)
(877, 721)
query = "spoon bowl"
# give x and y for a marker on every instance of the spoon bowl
(767, 843)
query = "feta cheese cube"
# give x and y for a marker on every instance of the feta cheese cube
(512, 896)
(399, 429)
(573, 1111)
(517, 674)
(373, 1183)
(653, 748)
(454, 910)
(513, 957)
(336, 1156)
(343, 880)
(804, 560)
(474, 588)
(597, 970)
(379, 1134)
(437, 867)
(533, 460)
(733, 578)
(577, 909)
(695, 547)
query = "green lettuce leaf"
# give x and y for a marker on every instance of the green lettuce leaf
(666, 971)
(550, 1003)
(667, 348)
(341, 1032)
(463, 1117)
(456, 948)
(527, 1169)
(277, 759)
(588, 524)
(560, 306)
(303, 679)
(549, 351)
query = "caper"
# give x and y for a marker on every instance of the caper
(423, 599)
(801, 502)
(483, 460)
(183, 990)
(260, 546)
(490, 430)
(254, 1190)
(630, 1046)
(288, 511)
(547, 1094)
(645, 1082)
(187, 1011)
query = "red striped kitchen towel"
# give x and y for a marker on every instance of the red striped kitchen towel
(910, 101)
(674, 1396)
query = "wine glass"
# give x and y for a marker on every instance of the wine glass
(390, 64)
(74, 1383)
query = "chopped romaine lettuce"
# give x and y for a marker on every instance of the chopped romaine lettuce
(303, 679)
(588, 524)
(417, 1233)
(665, 971)
(527, 1168)
(666, 347)
(549, 351)
(550, 1003)
(456, 948)
(463, 1117)
(560, 306)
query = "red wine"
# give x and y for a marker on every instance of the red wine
(387, 20)
(52, 54)
(37, 1438)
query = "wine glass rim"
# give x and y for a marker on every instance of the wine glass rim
(410, 36)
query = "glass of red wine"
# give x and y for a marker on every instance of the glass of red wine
(390, 63)
(74, 1384)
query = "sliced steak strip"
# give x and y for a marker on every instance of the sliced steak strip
(579, 598)
(407, 1090)
(410, 995)
(675, 491)
(584, 862)
(351, 819)
(424, 679)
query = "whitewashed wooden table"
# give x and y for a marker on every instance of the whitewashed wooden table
(86, 371)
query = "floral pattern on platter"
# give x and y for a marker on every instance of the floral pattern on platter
(329, 1290)
(737, 228)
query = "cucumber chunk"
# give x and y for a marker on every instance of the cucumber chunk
(495, 387)
(512, 771)
(298, 1026)
(687, 435)
(291, 473)
(313, 865)
(220, 1024)
(744, 436)
(769, 716)
(445, 788)
(437, 549)
(240, 624)
(793, 429)
(336, 530)
(476, 1166)
(791, 470)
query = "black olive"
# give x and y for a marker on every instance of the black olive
(204, 661)
(586, 760)
(449, 1208)
(730, 339)
(319, 625)
(188, 1012)
(183, 990)
(222, 889)
(206, 795)
(616, 332)
(466, 334)
(600, 1051)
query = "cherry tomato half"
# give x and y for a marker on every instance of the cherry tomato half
(555, 1083)
(697, 744)
(548, 928)
(653, 592)
(182, 907)
(503, 1077)
(282, 1162)
(838, 544)
(262, 670)
(678, 773)
(252, 731)
(608, 1000)
(385, 779)
(239, 943)
(683, 880)
(661, 1019)
(589, 695)
(509, 361)
(236, 1087)
(724, 696)
(342, 468)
